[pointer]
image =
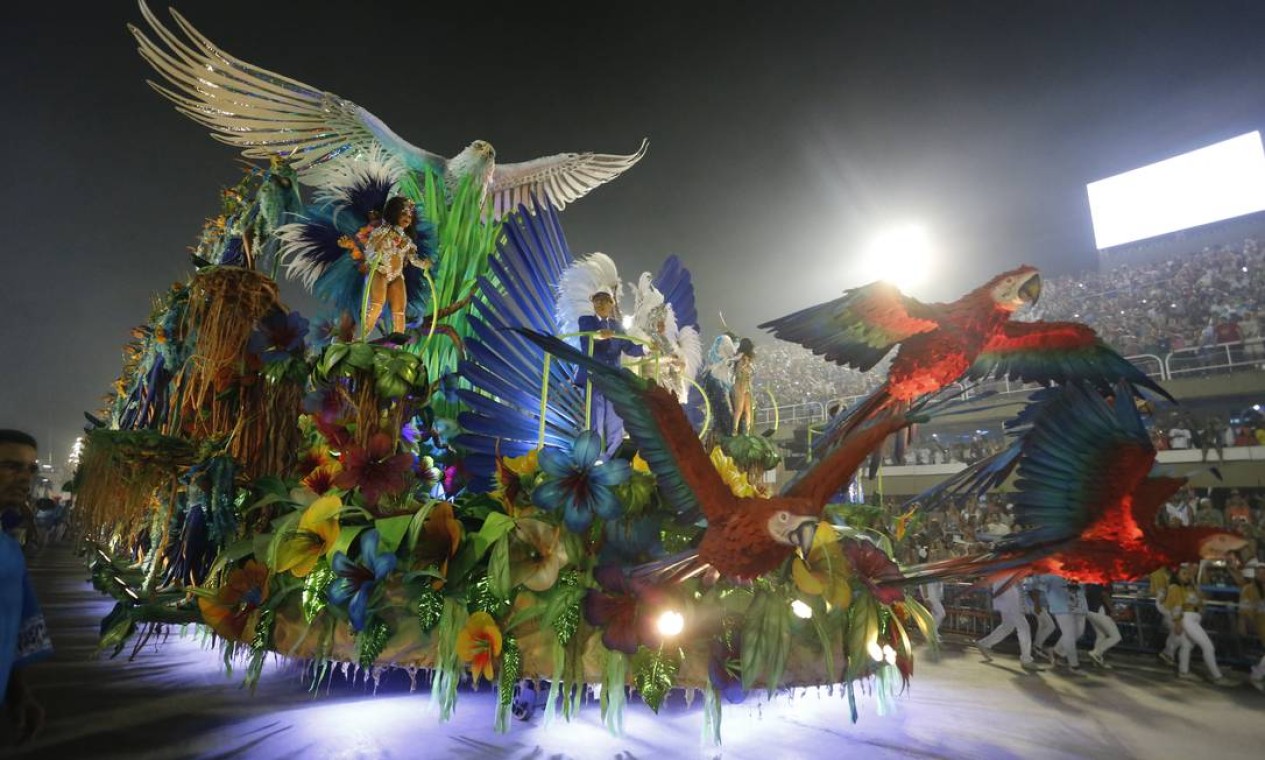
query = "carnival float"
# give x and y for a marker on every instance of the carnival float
(472, 468)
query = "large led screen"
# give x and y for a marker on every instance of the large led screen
(1218, 182)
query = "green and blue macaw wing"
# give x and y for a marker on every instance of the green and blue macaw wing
(688, 482)
(1056, 352)
(506, 372)
(859, 328)
(1079, 462)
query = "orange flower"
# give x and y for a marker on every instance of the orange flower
(440, 539)
(510, 472)
(479, 644)
(233, 610)
(321, 479)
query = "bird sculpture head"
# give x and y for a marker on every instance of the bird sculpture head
(1217, 544)
(483, 148)
(1016, 288)
(792, 529)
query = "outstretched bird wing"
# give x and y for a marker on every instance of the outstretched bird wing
(261, 112)
(1083, 456)
(859, 328)
(1056, 352)
(653, 417)
(561, 178)
(1082, 463)
(836, 467)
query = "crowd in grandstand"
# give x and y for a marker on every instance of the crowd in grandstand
(1196, 301)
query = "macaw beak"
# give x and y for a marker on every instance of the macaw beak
(802, 536)
(1030, 291)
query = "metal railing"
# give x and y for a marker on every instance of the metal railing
(1238, 355)
(1222, 356)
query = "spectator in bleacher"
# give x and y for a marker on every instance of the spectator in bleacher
(1213, 437)
(1178, 512)
(1208, 514)
(1178, 436)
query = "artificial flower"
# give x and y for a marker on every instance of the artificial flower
(873, 567)
(631, 539)
(440, 539)
(313, 457)
(536, 554)
(479, 643)
(356, 580)
(510, 472)
(580, 485)
(233, 609)
(317, 533)
(375, 469)
(622, 607)
(724, 666)
(320, 480)
(734, 478)
(826, 573)
(279, 336)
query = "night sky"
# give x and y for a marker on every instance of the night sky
(781, 135)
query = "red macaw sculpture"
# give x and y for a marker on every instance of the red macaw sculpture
(745, 537)
(1088, 494)
(940, 344)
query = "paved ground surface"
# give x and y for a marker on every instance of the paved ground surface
(176, 702)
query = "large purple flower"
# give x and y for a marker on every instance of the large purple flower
(279, 336)
(623, 608)
(579, 484)
(356, 580)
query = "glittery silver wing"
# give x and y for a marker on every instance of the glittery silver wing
(261, 112)
(561, 178)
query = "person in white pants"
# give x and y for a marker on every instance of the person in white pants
(1009, 604)
(933, 595)
(1067, 604)
(1186, 604)
(1160, 580)
(1098, 613)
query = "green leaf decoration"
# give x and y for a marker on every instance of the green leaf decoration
(511, 671)
(862, 629)
(562, 612)
(371, 641)
(346, 537)
(711, 714)
(391, 531)
(487, 600)
(614, 679)
(315, 585)
(447, 666)
(498, 580)
(259, 647)
(654, 673)
(430, 606)
(766, 640)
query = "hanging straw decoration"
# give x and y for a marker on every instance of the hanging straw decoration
(224, 305)
(121, 474)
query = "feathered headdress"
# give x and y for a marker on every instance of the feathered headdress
(593, 274)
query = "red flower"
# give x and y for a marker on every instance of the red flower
(374, 469)
(873, 567)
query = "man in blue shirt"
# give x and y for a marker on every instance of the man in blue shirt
(23, 635)
(608, 347)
